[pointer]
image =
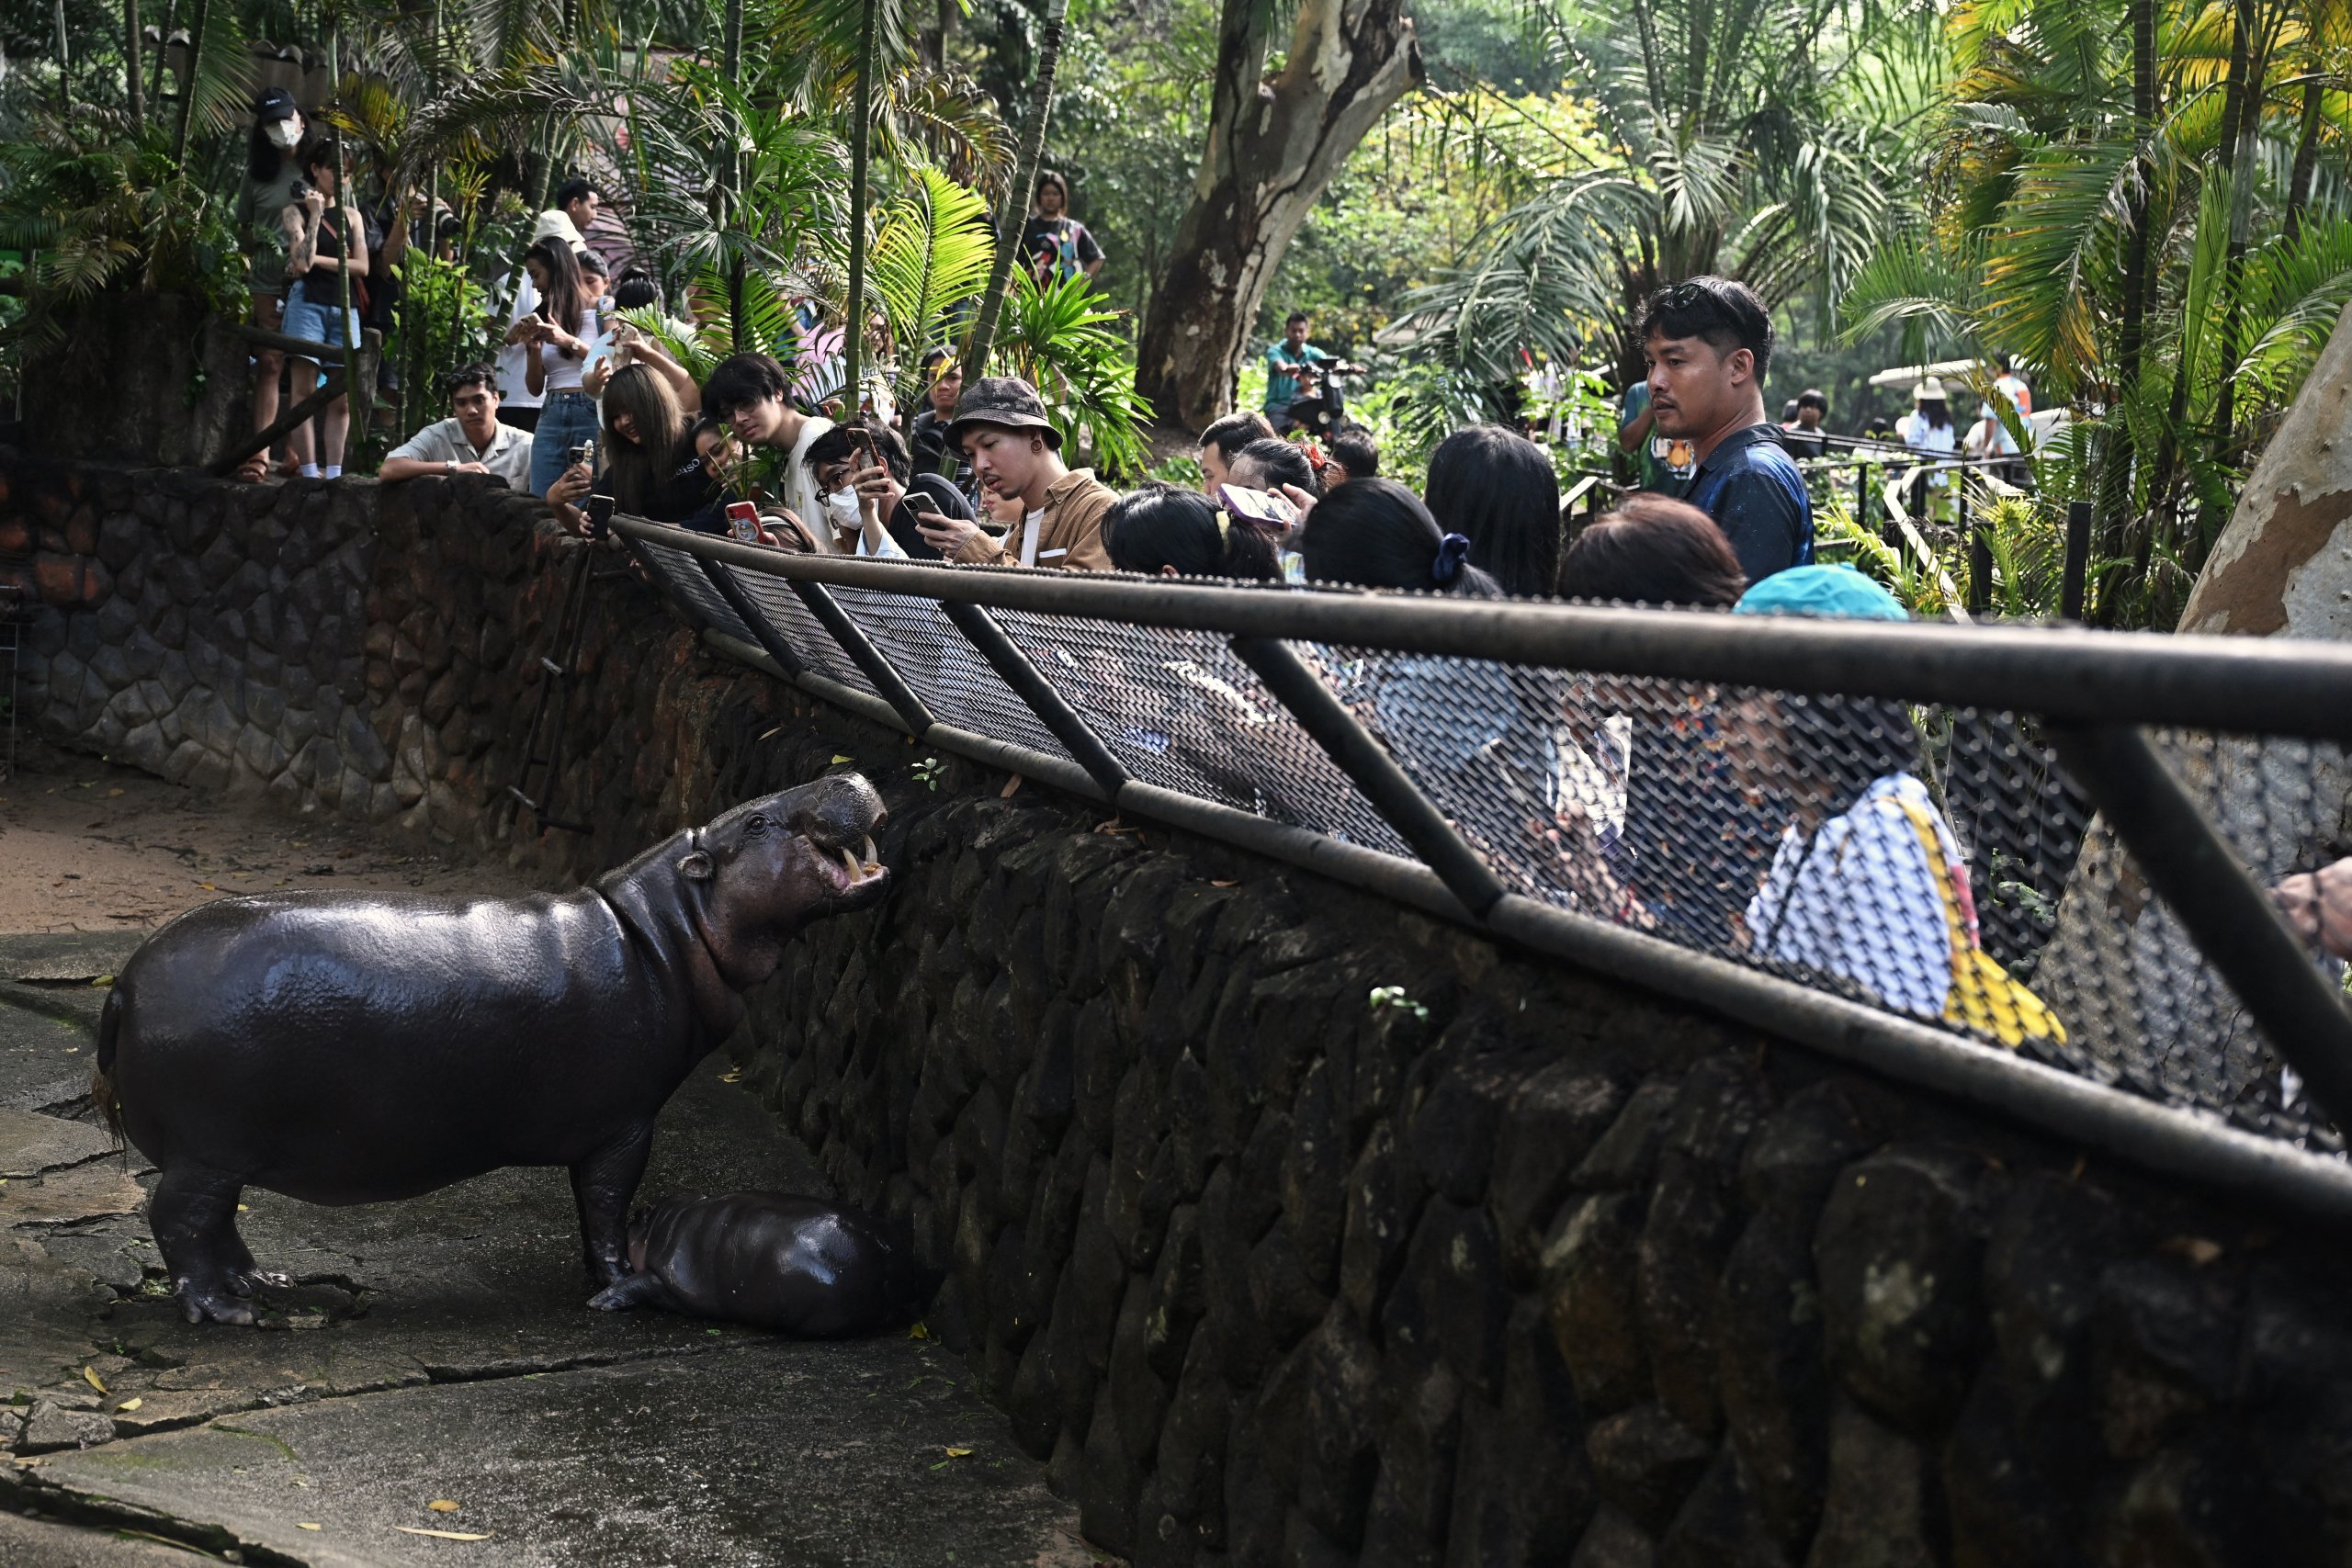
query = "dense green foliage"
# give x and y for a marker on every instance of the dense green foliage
(2143, 200)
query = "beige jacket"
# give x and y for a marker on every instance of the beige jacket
(1069, 531)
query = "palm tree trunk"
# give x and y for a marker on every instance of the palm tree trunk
(861, 137)
(731, 172)
(2241, 112)
(162, 47)
(2299, 182)
(2116, 453)
(134, 84)
(188, 94)
(1015, 210)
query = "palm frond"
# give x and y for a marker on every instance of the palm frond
(930, 254)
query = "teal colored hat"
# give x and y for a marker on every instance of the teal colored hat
(1830, 592)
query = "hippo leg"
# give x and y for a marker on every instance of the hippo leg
(601, 1185)
(245, 1275)
(637, 1290)
(194, 1217)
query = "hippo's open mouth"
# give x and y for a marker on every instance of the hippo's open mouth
(848, 869)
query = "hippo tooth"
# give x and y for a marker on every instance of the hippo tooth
(873, 855)
(848, 864)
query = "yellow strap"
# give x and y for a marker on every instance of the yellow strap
(1984, 996)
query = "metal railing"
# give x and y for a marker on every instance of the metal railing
(2024, 865)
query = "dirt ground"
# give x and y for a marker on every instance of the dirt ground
(88, 845)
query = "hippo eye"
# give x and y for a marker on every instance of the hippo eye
(758, 824)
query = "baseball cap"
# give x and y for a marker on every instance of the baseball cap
(1825, 592)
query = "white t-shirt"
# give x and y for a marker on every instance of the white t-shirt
(800, 492)
(1930, 440)
(1861, 901)
(513, 390)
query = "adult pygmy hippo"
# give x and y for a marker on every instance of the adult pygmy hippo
(772, 1260)
(350, 1048)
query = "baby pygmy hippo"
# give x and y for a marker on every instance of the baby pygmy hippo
(772, 1260)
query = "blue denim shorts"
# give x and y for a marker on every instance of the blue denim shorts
(314, 323)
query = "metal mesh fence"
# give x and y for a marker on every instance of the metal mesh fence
(1180, 711)
(953, 680)
(1933, 862)
(683, 575)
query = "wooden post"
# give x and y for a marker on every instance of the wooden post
(2077, 560)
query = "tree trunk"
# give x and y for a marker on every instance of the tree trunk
(1014, 211)
(2255, 53)
(861, 134)
(731, 172)
(134, 86)
(187, 93)
(2299, 181)
(1272, 147)
(2281, 567)
(2116, 453)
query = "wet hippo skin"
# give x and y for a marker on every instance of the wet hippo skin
(351, 1048)
(774, 1261)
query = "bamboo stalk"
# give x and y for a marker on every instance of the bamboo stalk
(861, 134)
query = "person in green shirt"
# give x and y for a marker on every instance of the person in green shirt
(1283, 362)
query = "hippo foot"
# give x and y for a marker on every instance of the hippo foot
(636, 1291)
(213, 1306)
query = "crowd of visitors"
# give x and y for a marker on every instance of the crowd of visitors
(1712, 820)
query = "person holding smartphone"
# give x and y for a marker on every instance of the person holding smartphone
(1052, 514)
(555, 346)
(875, 469)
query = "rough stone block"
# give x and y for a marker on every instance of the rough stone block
(1588, 1272)
(1645, 1462)
(1899, 1250)
(1882, 1508)
(1551, 1123)
(49, 1428)
(1622, 1157)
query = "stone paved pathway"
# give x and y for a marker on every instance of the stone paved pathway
(440, 1351)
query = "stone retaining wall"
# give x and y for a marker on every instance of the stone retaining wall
(1286, 1227)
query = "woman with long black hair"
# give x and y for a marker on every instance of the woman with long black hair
(1498, 489)
(327, 257)
(1162, 531)
(556, 340)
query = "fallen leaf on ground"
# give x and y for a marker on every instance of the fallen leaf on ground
(838, 757)
(958, 1453)
(1009, 785)
(112, 793)
(208, 887)
(735, 1076)
(103, 980)
(1214, 884)
(90, 1376)
(304, 1526)
(442, 1505)
(127, 1405)
(439, 1535)
(920, 1331)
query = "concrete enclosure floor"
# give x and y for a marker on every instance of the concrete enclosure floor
(432, 1352)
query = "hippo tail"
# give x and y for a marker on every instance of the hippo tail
(102, 1094)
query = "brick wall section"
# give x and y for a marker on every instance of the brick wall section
(1535, 1270)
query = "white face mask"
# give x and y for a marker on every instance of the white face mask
(843, 504)
(285, 133)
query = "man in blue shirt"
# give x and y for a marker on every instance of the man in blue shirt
(1284, 361)
(1708, 341)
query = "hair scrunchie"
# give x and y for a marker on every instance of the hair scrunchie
(1451, 551)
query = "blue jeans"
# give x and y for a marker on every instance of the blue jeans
(315, 322)
(566, 420)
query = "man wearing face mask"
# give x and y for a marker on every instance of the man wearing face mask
(899, 498)
(841, 463)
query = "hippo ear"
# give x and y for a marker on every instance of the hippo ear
(696, 867)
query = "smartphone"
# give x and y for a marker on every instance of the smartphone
(1258, 506)
(600, 516)
(584, 453)
(743, 521)
(922, 505)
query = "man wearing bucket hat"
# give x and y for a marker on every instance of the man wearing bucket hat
(1053, 513)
